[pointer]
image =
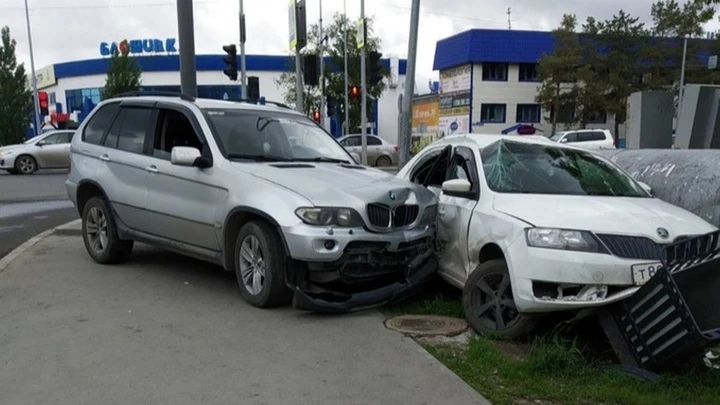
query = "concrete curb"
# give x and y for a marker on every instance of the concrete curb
(15, 253)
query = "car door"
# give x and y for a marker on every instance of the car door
(50, 151)
(455, 212)
(352, 144)
(124, 173)
(185, 199)
(65, 140)
(374, 148)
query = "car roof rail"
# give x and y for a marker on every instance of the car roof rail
(262, 101)
(154, 93)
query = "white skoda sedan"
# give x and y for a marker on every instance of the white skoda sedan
(528, 226)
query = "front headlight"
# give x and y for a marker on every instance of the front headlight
(564, 239)
(330, 216)
(6, 152)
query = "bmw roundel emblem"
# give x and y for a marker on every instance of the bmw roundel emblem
(663, 233)
(392, 195)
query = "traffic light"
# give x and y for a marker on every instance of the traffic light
(355, 92)
(231, 61)
(330, 106)
(43, 101)
(253, 91)
(316, 116)
(310, 70)
(375, 68)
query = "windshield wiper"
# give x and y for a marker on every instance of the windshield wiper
(322, 160)
(257, 158)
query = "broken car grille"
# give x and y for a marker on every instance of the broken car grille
(383, 216)
(635, 247)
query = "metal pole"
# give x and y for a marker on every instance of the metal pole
(322, 71)
(186, 36)
(298, 83)
(363, 106)
(33, 78)
(346, 125)
(243, 66)
(681, 90)
(405, 138)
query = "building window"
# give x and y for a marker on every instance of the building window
(528, 113)
(567, 114)
(529, 72)
(598, 117)
(52, 98)
(492, 113)
(495, 72)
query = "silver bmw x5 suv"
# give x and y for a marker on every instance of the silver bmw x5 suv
(259, 189)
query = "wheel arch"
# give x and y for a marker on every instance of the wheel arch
(86, 190)
(235, 219)
(491, 251)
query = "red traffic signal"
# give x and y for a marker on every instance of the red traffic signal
(316, 116)
(43, 101)
(354, 91)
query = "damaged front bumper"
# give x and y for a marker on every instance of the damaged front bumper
(368, 274)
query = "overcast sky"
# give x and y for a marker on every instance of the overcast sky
(65, 30)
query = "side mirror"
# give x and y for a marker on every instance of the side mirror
(564, 140)
(184, 156)
(456, 187)
(356, 157)
(645, 187)
(41, 143)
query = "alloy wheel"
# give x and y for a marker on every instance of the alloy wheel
(96, 226)
(26, 165)
(252, 265)
(493, 301)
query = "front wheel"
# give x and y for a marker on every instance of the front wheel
(260, 265)
(25, 164)
(489, 305)
(100, 234)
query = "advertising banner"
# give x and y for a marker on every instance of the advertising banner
(424, 123)
(456, 79)
(45, 77)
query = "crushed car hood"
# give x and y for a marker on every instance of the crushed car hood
(613, 215)
(339, 185)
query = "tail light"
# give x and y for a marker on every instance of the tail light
(396, 148)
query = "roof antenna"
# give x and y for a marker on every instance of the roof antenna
(509, 20)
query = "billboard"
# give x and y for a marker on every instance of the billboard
(455, 100)
(425, 119)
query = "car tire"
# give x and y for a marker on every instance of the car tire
(100, 235)
(487, 297)
(260, 265)
(25, 164)
(383, 161)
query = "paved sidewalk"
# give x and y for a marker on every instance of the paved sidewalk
(165, 329)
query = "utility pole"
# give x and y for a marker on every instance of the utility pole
(682, 83)
(33, 78)
(298, 82)
(243, 67)
(322, 70)
(346, 124)
(406, 135)
(186, 36)
(363, 85)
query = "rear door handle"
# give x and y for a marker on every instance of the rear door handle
(105, 158)
(152, 169)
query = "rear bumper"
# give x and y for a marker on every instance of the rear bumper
(362, 279)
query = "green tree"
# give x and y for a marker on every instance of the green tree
(123, 75)
(559, 72)
(16, 103)
(334, 70)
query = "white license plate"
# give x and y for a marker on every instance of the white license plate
(643, 272)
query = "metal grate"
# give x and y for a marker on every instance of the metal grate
(379, 215)
(632, 247)
(405, 215)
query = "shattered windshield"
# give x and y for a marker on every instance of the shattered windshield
(516, 167)
(273, 136)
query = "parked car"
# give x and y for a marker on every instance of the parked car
(586, 138)
(379, 151)
(50, 150)
(527, 226)
(259, 189)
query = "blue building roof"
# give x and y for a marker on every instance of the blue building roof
(484, 45)
(171, 63)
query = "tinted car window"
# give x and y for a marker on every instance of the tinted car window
(352, 141)
(99, 122)
(571, 137)
(135, 123)
(374, 141)
(52, 139)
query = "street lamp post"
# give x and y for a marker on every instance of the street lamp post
(33, 78)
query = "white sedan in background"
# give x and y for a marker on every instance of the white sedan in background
(50, 150)
(530, 226)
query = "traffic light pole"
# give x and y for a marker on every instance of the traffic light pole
(363, 85)
(243, 67)
(346, 124)
(406, 118)
(33, 78)
(186, 37)
(322, 68)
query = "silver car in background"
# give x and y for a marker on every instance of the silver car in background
(50, 150)
(379, 151)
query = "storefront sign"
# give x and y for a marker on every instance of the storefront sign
(456, 79)
(425, 114)
(45, 77)
(139, 46)
(455, 100)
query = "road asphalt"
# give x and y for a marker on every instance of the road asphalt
(165, 329)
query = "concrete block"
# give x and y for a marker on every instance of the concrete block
(698, 124)
(650, 115)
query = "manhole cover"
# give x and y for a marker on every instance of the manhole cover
(427, 325)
